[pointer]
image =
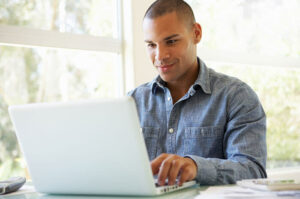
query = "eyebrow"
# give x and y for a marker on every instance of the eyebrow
(170, 37)
(165, 39)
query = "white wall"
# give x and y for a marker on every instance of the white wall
(137, 63)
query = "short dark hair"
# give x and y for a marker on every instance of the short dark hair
(162, 7)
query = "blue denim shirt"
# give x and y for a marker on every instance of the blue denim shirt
(219, 123)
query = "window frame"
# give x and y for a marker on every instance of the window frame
(11, 35)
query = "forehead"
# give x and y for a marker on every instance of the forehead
(163, 26)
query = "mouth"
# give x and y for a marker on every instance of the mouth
(165, 67)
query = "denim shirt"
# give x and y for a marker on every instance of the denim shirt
(219, 123)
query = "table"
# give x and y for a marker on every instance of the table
(195, 192)
(211, 192)
(187, 193)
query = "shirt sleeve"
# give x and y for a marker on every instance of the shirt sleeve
(244, 142)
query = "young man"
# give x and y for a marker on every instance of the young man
(197, 123)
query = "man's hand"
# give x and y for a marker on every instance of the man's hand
(169, 166)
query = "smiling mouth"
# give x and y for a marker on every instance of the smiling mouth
(165, 66)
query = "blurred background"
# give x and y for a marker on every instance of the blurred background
(62, 50)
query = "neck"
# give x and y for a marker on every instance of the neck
(179, 88)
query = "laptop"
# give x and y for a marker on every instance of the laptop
(92, 147)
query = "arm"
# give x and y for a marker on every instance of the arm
(244, 142)
(244, 147)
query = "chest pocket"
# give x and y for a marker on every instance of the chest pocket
(204, 141)
(151, 135)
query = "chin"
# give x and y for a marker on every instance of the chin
(165, 78)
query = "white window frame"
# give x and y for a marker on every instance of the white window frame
(31, 37)
(138, 68)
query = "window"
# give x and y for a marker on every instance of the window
(55, 50)
(93, 17)
(258, 42)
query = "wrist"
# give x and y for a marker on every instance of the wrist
(194, 165)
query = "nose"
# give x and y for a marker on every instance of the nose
(161, 53)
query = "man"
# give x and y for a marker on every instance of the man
(197, 123)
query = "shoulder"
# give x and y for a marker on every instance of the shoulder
(141, 91)
(233, 91)
(220, 82)
(145, 99)
(240, 97)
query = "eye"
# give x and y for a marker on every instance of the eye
(171, 41)
(151, 45)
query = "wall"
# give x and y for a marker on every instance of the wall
(138, 67)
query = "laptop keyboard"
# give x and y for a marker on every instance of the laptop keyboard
(166, 185)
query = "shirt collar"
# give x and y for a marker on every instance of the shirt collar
(158, 84)
(202, 81)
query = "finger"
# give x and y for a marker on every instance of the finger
(174, 170)
(164, 171)
(156, 163)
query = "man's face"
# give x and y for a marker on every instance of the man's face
(171, 45)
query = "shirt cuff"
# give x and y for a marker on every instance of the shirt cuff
(207, 173)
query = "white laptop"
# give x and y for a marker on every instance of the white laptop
(90, 147)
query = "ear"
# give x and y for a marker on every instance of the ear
(197, 32)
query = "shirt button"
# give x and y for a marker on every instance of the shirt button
(169, 98)
(171, 130)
